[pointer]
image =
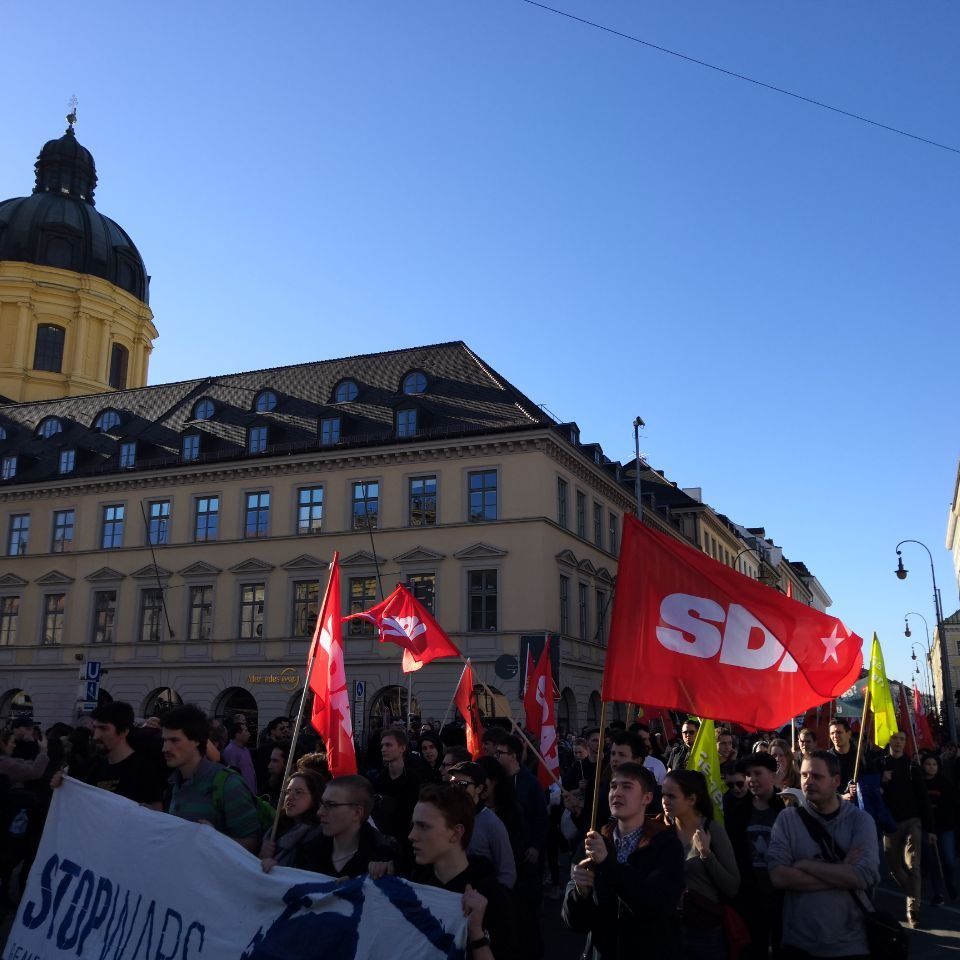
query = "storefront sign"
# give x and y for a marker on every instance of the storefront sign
(288, 678)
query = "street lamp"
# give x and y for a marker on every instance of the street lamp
(761, 556)
(638, 424)
(949, 707)
(925, 676)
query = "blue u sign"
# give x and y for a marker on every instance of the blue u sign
(93, 670)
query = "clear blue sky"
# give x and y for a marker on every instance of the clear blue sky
(774, 288)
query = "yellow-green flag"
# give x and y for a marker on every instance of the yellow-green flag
(705, 759)
(885, 722)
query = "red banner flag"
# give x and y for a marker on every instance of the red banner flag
(925, 739)
(403, 620)
(690, 633)
(328, 681)
(541, 716)
(466, 700)
(905, 722)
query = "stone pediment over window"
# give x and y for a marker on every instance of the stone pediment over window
(105, 575)
(419, 555)
(305, 561)
(253, 565)
(53, 578)
(12, 580)
(604, 574)
(480, 551)
(567, 557)
(200, 569)
(587, 567)
(362, 558)
(150, 572)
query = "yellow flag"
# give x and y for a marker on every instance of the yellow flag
(885, 722)
(705, 759)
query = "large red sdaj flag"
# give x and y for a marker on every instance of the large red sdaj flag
(689, 633)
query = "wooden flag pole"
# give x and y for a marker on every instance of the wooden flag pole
(863, 730)
(596, 778)
(446, 716)
(303, 697)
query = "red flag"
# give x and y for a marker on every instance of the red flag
(328, 681)
(924, 735)
(818, 720)
(904, 721)
(541, 715)
(690, 633)
(466, 700)
(403, 620)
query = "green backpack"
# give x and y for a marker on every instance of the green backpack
(265, 810)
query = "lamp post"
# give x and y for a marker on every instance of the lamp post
(637, 424)
(949, 707)
(761, 556)
(929, 651)
(925, 676)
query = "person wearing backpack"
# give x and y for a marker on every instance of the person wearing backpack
(203, 791)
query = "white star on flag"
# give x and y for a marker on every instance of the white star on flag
(830, 645)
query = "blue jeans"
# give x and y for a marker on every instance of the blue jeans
(947, 849)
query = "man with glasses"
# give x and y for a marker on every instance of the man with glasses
(451, 757)
(681, 752)
(736, 787)
(490, 839)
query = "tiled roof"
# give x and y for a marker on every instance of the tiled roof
(463, 396)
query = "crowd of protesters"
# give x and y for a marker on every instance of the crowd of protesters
(647, 862)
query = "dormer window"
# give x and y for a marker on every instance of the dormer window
(406, 423)
(257, 439)
(574, 435)
(329, 431)
(8, 468)
(203, 409)
(68, 460)
(190, 447)
(107, 421)
(346, 392)
(49, 428)
(128, 454)
(597, 456)
(266, 402)
(3, 433)
(415, 383)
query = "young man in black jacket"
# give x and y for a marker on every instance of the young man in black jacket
(625, 892)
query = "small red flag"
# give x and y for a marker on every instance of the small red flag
(690, 633)
(328, 681)
(924, 734)
(541, 715)
(403, 620)
(904, 721)
(466, 700)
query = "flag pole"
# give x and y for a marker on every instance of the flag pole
(303, 697)
(863, 730)
(446, 716)
(596, 777)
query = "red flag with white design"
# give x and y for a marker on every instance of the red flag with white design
(541, 717)
(328, 681)
(690, 633)
(403, 620)
(924, 735)
(466, 700)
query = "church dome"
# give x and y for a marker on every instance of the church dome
(59, 226)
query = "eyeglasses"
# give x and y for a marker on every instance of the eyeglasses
(459, 784)
(502, 753)
(738, 784)
(332, 804)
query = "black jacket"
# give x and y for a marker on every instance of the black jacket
(905, 792)
(316, 854)
(944, 803)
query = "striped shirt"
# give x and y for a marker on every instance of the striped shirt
(192, 799)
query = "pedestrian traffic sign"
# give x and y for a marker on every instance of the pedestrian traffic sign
(92, 671)
(360, 690)
(91, 691)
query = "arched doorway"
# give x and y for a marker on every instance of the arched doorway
(491, 701)
(567, 716)
(15, 703)
(236, 700)
(594, 708)
(159, 701)
(389, 706)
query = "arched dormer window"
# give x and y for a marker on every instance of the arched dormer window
(106, 421)
(119, 357)
(266, 402)
(203, 409)
(49, 428)
(415, 383)
(346, 391)
(48, 351)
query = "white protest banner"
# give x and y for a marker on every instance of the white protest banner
(115, 881)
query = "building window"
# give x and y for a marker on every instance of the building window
(151, 615)
(201, 613)
(582, 609)
(53, 607)
(482, 490)
(414, 383)
(614, 533)
(68, 460)
(366, 504)
(207, 518)
(598, 524)
(62, 539)
(251, 610)
(190, 447)
(329, 431)
(257, 521)
(119, 355)
(581, 514)
(106, 421)
(424, 587)
(564, 605)
(406, 423)
(128, 454)
(306, 604)
(482, 590)
(9, 619)
(266, 402)
(8, 468)
(346, 391)
(423, 501)
(256, 440)
(158, 525)
(104, 615)
(49, 428)
(363, 595)
(562, 502)
(19, 535)
(48, 350)
(309, 509)
(601, 612)
(112, 527)
(203, 409)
